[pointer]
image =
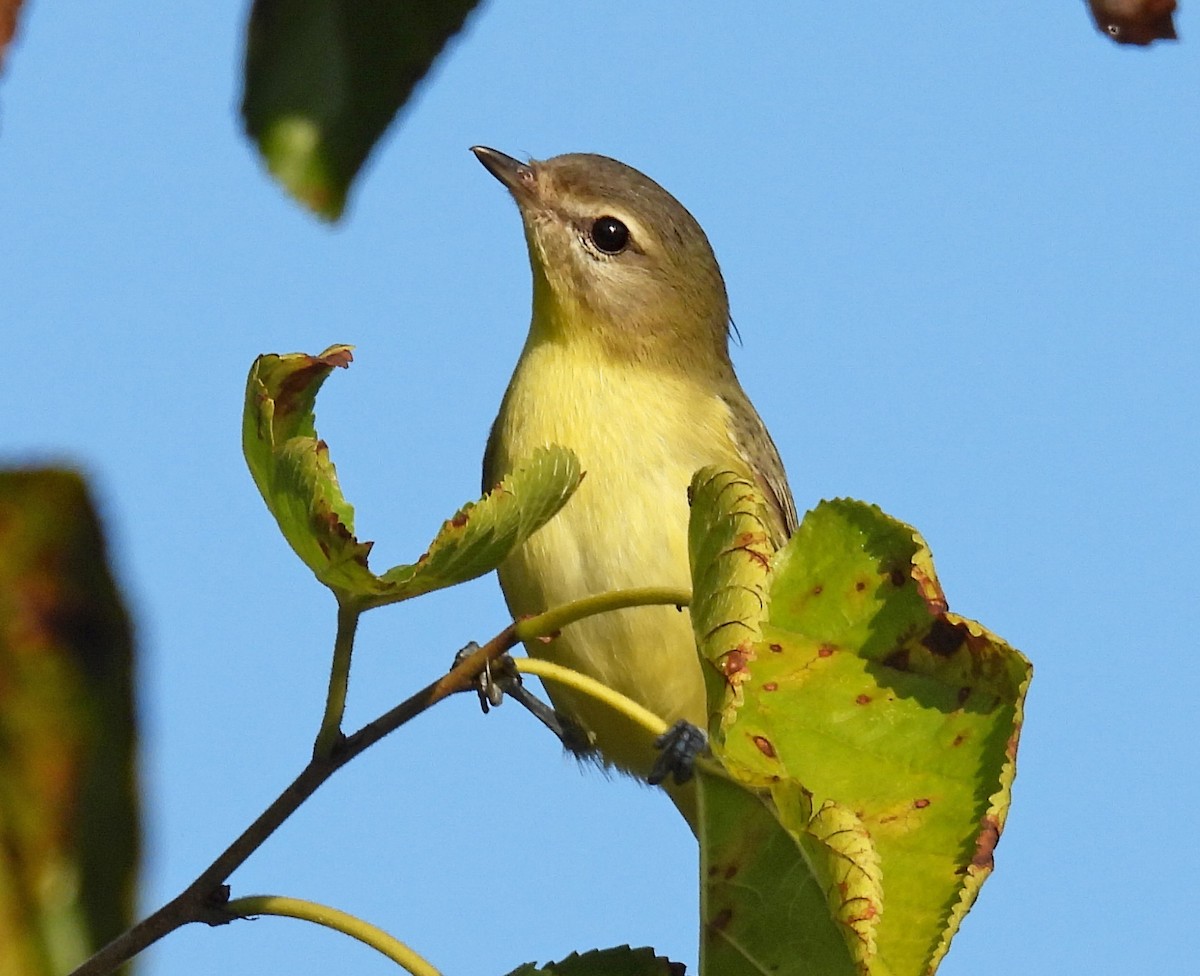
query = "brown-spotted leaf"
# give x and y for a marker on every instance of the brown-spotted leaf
(291, 466)
(730, 550)
(481, 534)
(887, 725)
(765, 887)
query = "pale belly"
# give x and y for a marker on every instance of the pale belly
(626, 526)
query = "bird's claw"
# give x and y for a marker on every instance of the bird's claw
(498, 678)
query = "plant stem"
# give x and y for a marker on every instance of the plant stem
(555, 619)
(339, 680)
(332, 918)
(549, 671)
(205, 899)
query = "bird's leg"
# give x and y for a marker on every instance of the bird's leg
(490, 694)
(678, 748)
(501, 677)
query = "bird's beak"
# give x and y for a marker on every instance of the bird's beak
(517, 176)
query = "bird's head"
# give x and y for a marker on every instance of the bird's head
(617, 260)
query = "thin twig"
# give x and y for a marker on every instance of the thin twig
(339, 680)
(205, 899)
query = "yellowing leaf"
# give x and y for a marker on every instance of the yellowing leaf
(292, 469)
(883, 727)
(729, 551)
(479, 537)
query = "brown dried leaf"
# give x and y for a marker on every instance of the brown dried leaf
(8, 25)
(1138, 22)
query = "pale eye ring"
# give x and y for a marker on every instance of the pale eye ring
(610, 235)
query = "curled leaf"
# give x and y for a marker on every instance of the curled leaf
(481, 534)
(291, 466)
(730, 550)
(883, 727)
(765, 899)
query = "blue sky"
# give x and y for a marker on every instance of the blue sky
(961, 248)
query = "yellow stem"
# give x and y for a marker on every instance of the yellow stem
(555, 619)
(332, 918)
(548, 671)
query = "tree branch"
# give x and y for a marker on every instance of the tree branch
(206, 898)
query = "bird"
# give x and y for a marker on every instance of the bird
(626, 362)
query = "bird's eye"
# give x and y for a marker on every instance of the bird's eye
(610, 235)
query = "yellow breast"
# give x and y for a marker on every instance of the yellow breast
(640, 436)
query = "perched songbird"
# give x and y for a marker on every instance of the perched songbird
(626, 363)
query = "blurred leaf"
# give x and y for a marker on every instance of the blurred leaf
(880, 728)
(621, 961)
(8, 25)
(68, 801)
(324, 78)
(291, 467)
(1138, 22)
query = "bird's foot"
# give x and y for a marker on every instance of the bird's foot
(678, 748)
(491, 684)
(501, 678)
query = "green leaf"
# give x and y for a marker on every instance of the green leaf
(764, 907)
(481, 534)
(729, 551)
(324, 78)
(292, 469)
(68, 804)
(621, 961)
(290, 465)
(879, 727)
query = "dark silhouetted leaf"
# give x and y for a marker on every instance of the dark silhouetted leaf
(621, 961)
